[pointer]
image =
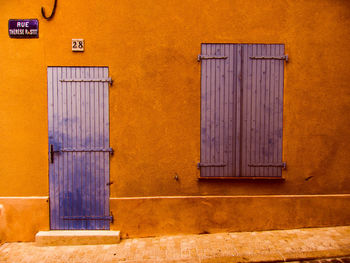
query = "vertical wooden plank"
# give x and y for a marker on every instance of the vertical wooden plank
(83, 145)
(249, 111)
(67, 161)
(226, 108)
(79, 154)
(276, 106)
(272, 104)
(280, 116)
(222, 109)
(89, 143)
(230, 94)
(70, 143)
(78, 188)
(106, 145)
(262, 112)
(204, 99)
(101, 154)
(244, 116)
(244, 110)
(50, 104)
(258, 111)
(97, 157)
(212, 110)
(216, 121)
(60, 142)
(56, 147)
(238, 111)
(93, 155)
(54, 143)
(234, 109)
(253, 110)
(74, 145)
(64, 145)
(268, 112)
(208, 110)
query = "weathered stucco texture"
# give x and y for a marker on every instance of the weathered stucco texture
(143, 216)
(21, 218)
(151, 48)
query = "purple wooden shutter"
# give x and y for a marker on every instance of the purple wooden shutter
(262, 110)
(241, 110)
(220, 110)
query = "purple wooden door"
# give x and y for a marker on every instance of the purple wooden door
(241, 110)
(78, 122)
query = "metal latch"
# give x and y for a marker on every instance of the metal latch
(283, 165)
(285, 57)
(201, 57)
(199, 165)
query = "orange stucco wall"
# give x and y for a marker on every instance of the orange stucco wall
(150, 48)
(210, 214)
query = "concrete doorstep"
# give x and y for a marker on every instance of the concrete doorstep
(76, 237)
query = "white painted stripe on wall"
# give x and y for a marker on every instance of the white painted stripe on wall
(231, 196)
(186, 197)
(24, 197)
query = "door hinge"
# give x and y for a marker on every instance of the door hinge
(110, 218)
(199, 165)
(285, 57)
(201, 57)
(109, 80)
(52, 151)
(282, 165)
(110, 150)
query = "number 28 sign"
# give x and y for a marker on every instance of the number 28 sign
(78, 45)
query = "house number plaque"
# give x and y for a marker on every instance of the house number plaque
(78, 45)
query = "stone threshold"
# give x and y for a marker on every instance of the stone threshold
(76, 237)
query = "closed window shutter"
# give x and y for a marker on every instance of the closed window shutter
(262, 110)
(220, 113)
(241, 110)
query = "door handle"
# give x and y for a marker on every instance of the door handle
(51, 151)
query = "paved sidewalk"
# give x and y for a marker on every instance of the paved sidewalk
(266, 246)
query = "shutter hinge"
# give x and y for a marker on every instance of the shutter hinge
(199, 165)
(201, 57)
(285, 57)
(282, 165)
